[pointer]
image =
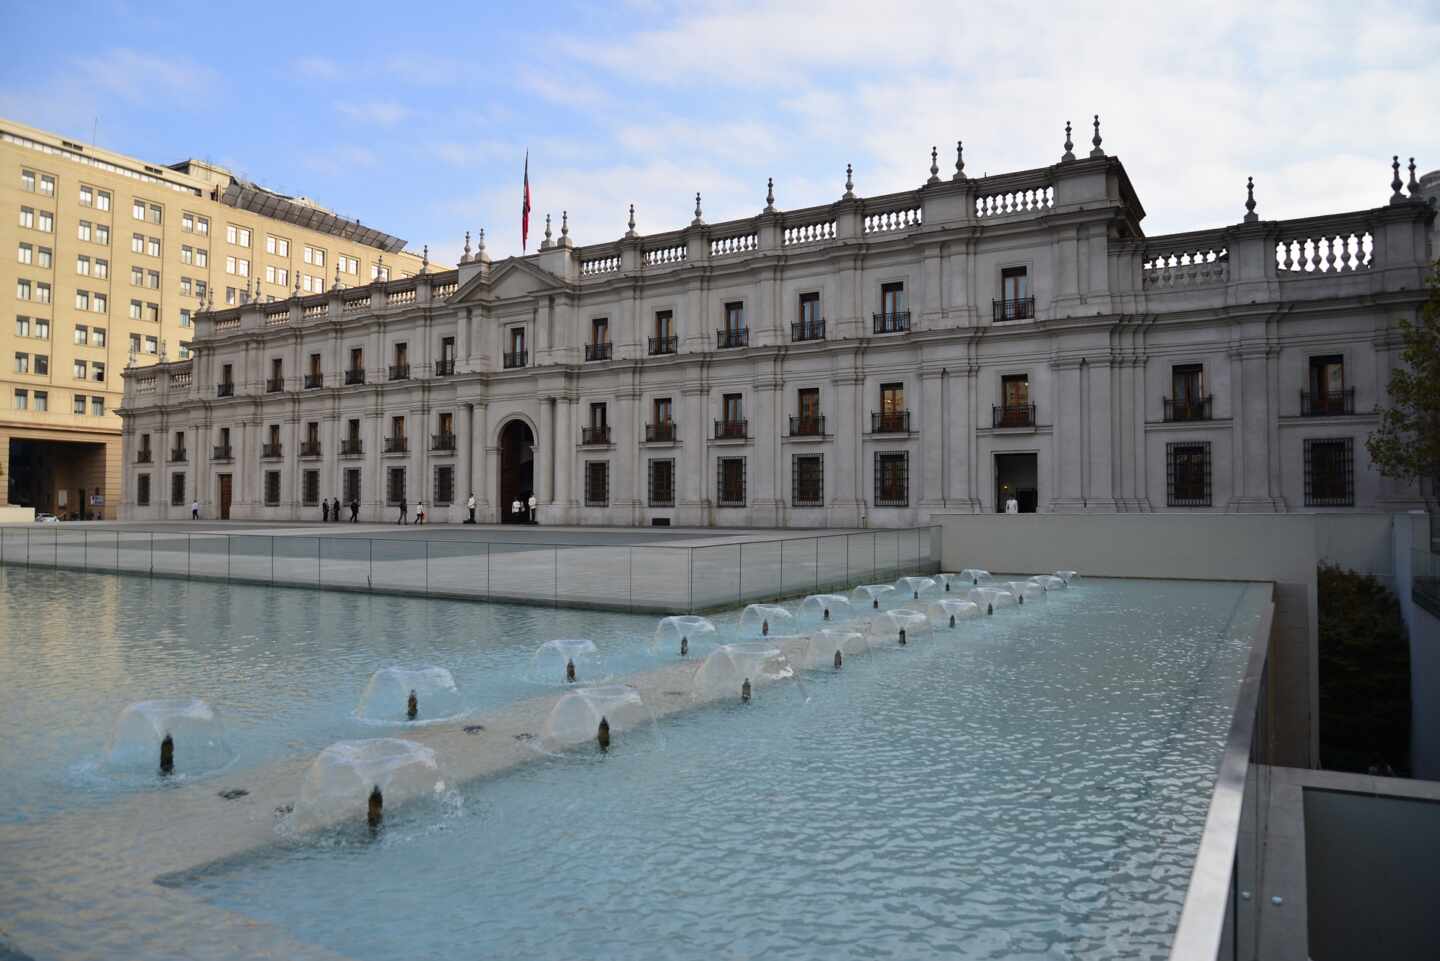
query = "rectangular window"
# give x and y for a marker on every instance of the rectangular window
(79, 407)
(102, 200)
(97, 406)
(42, 328)
(597, 483)
(1187, 474)
(664, 324)
(1330, 472)
(892, 479)
(137, 210)
(730, 482)
(22, 289)
(239, 236)
(137, 243)
(81, 371)
(82, 300)
(662, 483)
(807, 480)
(733, 407)
(22, 326)
(27, 217)
(136, 310)
(97, 369)
(135, 347)
(202, 225)
(184, 350)
(152, 246)
(82, 334)
(137, 276)
(83, 230)
(892, 299)
(444, 485)
(47, 221)
(102, 268)
(394, 486)
(27, 181)
(152, 279)
(152, 313)
(97, 336)
(82, 266)
(272, 488)
(47, 185)
(152, 345)
(156, 214)
(25, 254)
(102, 234)
(310, 488)
(202, 257)
(734, 317)
(42, 293)
(22, 399)
(42, 400)
(278, 246)
(1015, 300)
(184, 317)
(352, 485)
(142, 490)
(177, 489)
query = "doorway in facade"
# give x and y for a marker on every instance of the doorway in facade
(1017, 475)
(224, 480)
(517, 471)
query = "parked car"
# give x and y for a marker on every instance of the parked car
(46, 519)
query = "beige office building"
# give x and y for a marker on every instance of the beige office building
(112, 257)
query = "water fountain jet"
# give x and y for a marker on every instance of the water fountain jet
(194, 733)
(838, 659)
(394, 695)
(594, 714)
(570, 670)
(602, 735)
(353, 776)
(375, 809)
(412, 706)
(167, 755)
(682, 632)
(765, 621)
(565, 661)
(745, 692)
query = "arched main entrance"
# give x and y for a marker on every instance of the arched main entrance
(517, 469)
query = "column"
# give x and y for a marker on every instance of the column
(933, 439)
(960, 398)
(465, 483)
(1252, 413)
(1102, 464)
(482, 473)
(847, 506)
(545, 453)
(1068, 450)
(373, 479)
(691, 462)
(765, 507)
(565, 460)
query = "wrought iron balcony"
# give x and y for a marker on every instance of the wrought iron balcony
(1012, 415)
(808, 330)
(732, 429)
(270, 451)
(275, 385)
(726, 339)
(663, 345)
(807, 426)
(355, 376)
(399, 371)
(595, 435)
(895, 322)
(309, 448)
(598, 351)
(1329, 404)
(351, 447)
(443, 441)
(514, 359)
(661, 433)
(222, 452)
(1187, 408)
(1022, 308)
(225, 390)
(890, 422)
(312, 381)
(397, 445)
(178, 455)
(445, 368)
(143, 455)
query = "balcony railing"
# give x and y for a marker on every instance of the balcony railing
(807, 330)
(270, 451)
(143, 456)
(895, 322)
(1187, 408)
(663, 345)
(445, 368)
(225, 390)
(312, 381)
(732, 429)
(397, 445)
(222, 452)
(514, 359)
(726, 339)
(179, 455)
(1022, 308)
(598, 351)
(442, 441)
(275, 385)
(661, 433)
(355, 376)
(399, 371)
(1012, 415)
(309, 448)
(889, 422)
(595, 435)
(1329, 404)
(351, 447)
(807, 426)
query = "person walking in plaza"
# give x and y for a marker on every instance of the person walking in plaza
(355, 511)
(470, 506)
(335, 511)
(325, 510)
(419, 512)
(402, 519)
(195, 510)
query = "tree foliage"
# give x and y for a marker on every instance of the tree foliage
(1406, 445)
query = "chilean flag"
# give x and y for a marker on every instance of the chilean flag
(525, 207)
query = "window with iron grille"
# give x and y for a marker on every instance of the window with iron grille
(1187, 474)
(310, 488)
(597, 483)
(730, 482)
(807, 480)
(142, 490)
(272, 488)
(395, 485)
(892, 479)
(352, 485)
(177, 489)
(662, 482)
(1330, 472)
(444, 485)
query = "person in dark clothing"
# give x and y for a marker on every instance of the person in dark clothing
(402, 519)
(325, 510)
(335, 511)
(354, 511)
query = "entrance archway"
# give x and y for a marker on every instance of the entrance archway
(517, 470)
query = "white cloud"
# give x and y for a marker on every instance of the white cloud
(142, 78)
(340, 159)
(318, 68)
(383, 113)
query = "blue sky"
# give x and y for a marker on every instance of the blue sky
(416, 120)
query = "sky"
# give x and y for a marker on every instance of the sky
(417, 120)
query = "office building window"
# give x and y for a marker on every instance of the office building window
(42, 328)
(662, 482)
(352, 485)
(79, 406)
(892, 479)
(42, 400)
(1330, 472)
(444, 488)
(27, 217)
(26, 254)
(142, 490)
(46, 221)
(97, 406)
(22, 363)
(81, 371)
(239, 236)
(730, 482)
(27, 181)
(102, 234)
(22, 326)
(394, 485)
(1187, 474)
(272, 488)
(47, 185)
(597, 483)
(137, 210)
(278, 246)
(23, 289)
(177, 489)
(22, 399)
(807, 480)
(310, 488)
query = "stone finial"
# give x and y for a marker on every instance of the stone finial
(770, 195)
(480, 254)
(1250, 215)
(1069, 153)
(699, 219)
(1414, 185)
(1396, 197)
(548, 242)
(296, 292)
(630, 233)
(337, 284)
(1095, 150)
(934, 166)
(465, 255)
(164, 351)
(959, 160)
(849, 182)
(380, 269)
(425, 259)
(564, 223)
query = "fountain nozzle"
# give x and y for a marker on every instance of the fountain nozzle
(375, 810)
(875, 603)
(745, 692)
(838, 660)
(952, 620)
(765, 628)
(902, 637)
(167, 755)
(827, 613)
(989, 608)
(570, 670)
(917, 595)
(947, 586)
(412, 707)
(602, 735)
(684, 646)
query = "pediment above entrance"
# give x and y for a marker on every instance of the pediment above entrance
(511, 279)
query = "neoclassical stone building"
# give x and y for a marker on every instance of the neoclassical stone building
(867, 362)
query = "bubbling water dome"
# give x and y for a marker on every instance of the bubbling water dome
(1026, 591)
(388, 695)
(949, 613)
(567, 661)
(899, 627)
(595, 715)
(831, 648)
(913, 587)
(1067, 576)
(991, 599)
(820, 609)
(343, 780)
(975, 576)
(197, 741)
(735, 671)
(680, 634)
(1050, 582)
(949, 582)
(870, 595)
(765, 620)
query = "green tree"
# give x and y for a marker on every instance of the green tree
(1406, 445)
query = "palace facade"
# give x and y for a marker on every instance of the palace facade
(867, 362)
